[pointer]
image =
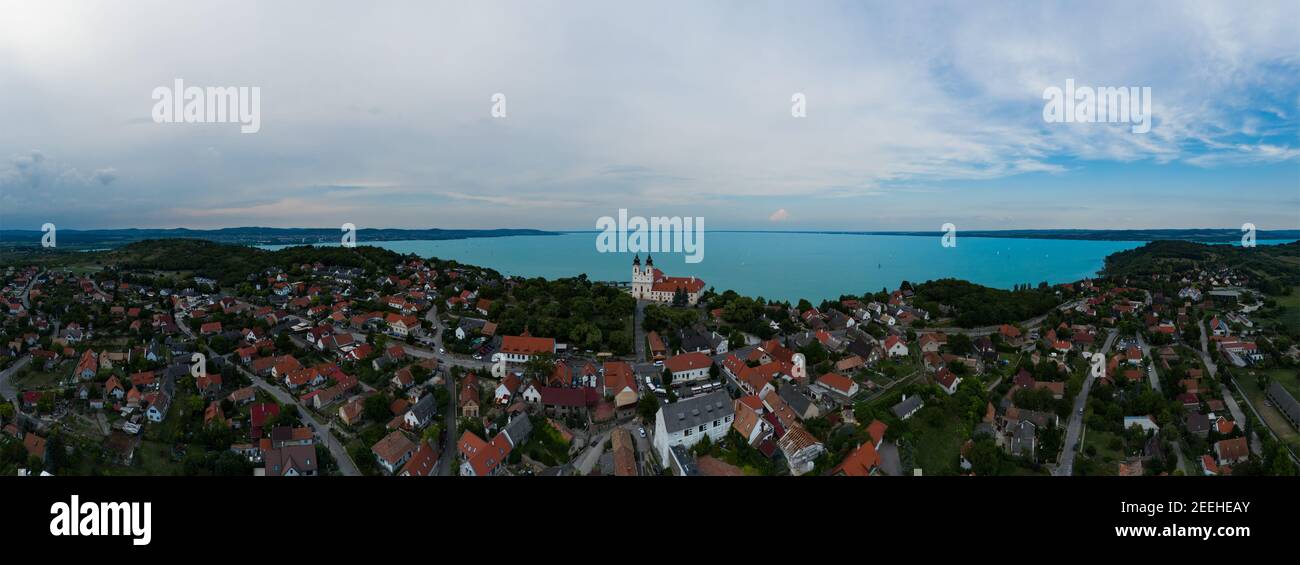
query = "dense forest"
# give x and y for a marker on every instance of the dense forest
(972, 305)
(573, 310)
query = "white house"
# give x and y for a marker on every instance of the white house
(521, 349)
(689, 366)
(895, 346)
(688, 421)
(801, 450)
(158, 407)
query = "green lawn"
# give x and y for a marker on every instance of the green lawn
(41, 380)
(1290, 306)
(1290, 379)
(938, 440)
(156, 459)
(1107, 455)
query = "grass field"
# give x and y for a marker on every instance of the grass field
(1290, 379)
(1107, 455)
(1290, 305)
(40, 380)
(1272, 418)
(938, 442)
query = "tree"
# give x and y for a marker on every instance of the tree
(985, 457)
(376, 408)
(647, 407)
(540, 366)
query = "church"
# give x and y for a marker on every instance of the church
(650, 283)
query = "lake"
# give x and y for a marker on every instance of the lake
(790, 266)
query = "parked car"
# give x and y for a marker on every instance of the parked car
(642, 431)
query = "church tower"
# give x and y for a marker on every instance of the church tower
(641, 278)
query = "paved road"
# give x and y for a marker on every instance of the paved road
(1152, 375)
(449, 452)
(587, 459)
(638, 333)
(27, 305)
(1075, 426)
(7, 389)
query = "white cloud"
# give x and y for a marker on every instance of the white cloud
(631, 105)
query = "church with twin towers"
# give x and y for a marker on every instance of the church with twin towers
(649, 283)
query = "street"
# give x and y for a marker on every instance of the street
(1151, 360)
(449, 453)
(1075, 427)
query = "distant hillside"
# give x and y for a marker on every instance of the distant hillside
(1277, 267)
(231, 264)
(1210, 235)
(92, 239)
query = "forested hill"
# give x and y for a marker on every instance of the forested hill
(1276, 267)
(231, 264)
(94, 239)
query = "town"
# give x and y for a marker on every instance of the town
(187, 357)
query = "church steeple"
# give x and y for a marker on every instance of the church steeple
(649, 261)
(637, 260)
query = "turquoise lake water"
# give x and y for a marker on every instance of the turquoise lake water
(790, 266)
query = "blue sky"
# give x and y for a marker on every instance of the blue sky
(918, 114)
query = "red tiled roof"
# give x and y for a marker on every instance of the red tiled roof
(527, 345)
(687, 362)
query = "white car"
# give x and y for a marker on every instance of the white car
(442, 351)
(642, 431)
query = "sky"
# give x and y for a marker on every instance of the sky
(916, 114)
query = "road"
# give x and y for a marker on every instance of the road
(1151, 368)
(7, 389)
(27, 305)
(325, 431)
(449, 435)
(1075, 426)
(586, 460)
(638, 333)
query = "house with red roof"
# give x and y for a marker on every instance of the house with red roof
(896, 346)
(423, 463)
(686, 367)
(838, 384)
(394, 450)
(947, 380)
(522, 348)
